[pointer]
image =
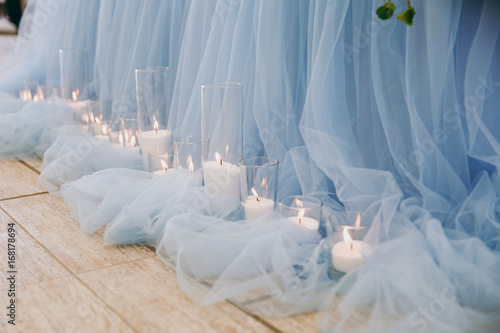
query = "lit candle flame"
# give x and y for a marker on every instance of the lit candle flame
(301, 214)
(92, 118)
(347, 238)
(75, 95)
(132, 141)
(357, 223)
(120, 139)
(254, 192)
(25, 95)
(97, 120)
(40, 94)
(85, 119)
(164, 165)
(156, 126)
(35, 98)
(190, 163)
(218, 158)
(104, 129)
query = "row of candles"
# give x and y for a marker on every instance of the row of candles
(228, 182)
(33, 91)
(253, 182)
(301, 210)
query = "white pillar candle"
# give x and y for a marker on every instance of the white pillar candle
(157, 140)
(255, 209)
(222, 183)
(346, 255)
(306, 222)
(79, 109)
(80, 113)
(131, 144)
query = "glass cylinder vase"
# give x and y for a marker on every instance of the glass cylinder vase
(74, 80)
(221, 125)
(153, 109)
(347, 231)
(302, 210)
(34, 91)
(259, 179)
(188, 152)
(130, 132)
(74, 74)
(160, 163)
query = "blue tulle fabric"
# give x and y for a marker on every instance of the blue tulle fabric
(74, 154)
(27, 129)
(400, 123)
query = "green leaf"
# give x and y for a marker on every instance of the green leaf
(407, 16)
(385, 11)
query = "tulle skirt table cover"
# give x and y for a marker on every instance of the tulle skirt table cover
(399, 123)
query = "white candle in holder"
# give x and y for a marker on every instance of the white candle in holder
(163, 171)
(158, 140)
(304, 221)
(79, 107)
(346, 255)
(222, 181)
(256, 206)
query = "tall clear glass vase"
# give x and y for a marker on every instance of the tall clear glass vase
(221, 117)
(73, 67)
(153, 110)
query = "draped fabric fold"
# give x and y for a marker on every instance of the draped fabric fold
(399, 123)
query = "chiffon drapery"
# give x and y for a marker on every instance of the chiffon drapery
(397, 122)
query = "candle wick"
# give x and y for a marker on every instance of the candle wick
(300, 221)
(257, 199)
(156, 130)
(220, 162)
(351, 246)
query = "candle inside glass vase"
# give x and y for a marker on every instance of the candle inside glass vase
(347, 253)
(188, 152)
(159, 139)
(153, 109)
(304, 211)
(221, 125)
(73, 69)
(259, 177)
(130, 133)
(222, 183)
(100, 130)
(159, 164)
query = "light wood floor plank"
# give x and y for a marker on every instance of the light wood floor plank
(32, 262)
(17, 180)
(116, 288)
(49, 221)
(147, 291)
(34, 164)
(62, 305)
(295, 324)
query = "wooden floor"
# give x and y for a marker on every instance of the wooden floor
(69, 281)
